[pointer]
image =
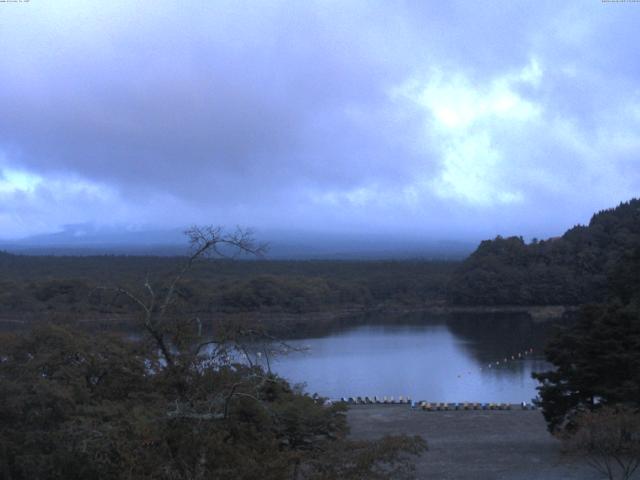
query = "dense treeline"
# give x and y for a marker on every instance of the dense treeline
(597, 360)
(591, 397)
(572, 269)
(74, 284)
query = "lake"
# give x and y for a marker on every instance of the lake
(470, 358)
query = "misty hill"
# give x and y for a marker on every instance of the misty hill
(87, 240)
(571, 269)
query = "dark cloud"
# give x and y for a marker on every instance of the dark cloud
(428, 117)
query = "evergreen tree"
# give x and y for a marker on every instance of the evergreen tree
(597, 361)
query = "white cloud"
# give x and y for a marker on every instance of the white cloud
(467, 122)
(472, 172)
(30, 203)
(455, 102)
(12, 181)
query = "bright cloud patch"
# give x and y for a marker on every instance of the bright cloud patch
(29, 203)
(456, 103)
(17, 181)
(471, 172)
(468, 122)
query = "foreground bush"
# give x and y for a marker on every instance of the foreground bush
(608, 439)
(78, 406)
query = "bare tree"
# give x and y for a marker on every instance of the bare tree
(204, 241)
(181, 345)
(609, 440)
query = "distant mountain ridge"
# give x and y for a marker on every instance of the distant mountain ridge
(84, 240)
(571, 269)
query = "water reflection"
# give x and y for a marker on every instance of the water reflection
(442, 360)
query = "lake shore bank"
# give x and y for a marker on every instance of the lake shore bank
(473, 445)
(294, 325)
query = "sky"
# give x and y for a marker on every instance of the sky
(422, 119)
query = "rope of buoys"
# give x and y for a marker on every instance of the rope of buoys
(440, 406)
(504, 361)
(401, 400)
(433, 406)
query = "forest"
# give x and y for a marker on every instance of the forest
(568, 270)
(34, 286)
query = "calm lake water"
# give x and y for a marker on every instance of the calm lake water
(439, 360)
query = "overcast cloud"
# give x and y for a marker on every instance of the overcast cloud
(442, 119)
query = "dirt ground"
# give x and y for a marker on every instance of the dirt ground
(474, 445)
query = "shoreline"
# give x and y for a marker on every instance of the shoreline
(297, 324)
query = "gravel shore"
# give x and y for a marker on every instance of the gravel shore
(474, 445)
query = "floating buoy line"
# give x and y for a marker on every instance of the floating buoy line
(434, 406)
(498, 363)
(442, 406)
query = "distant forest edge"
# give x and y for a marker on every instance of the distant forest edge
(569, 270)
(73, 285)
